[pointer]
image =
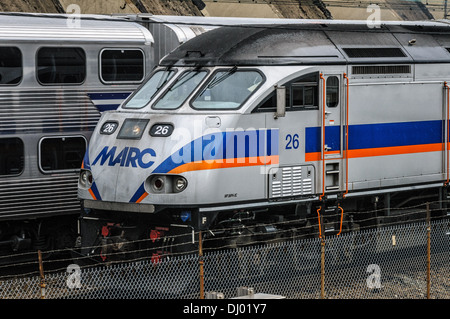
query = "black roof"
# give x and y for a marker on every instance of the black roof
(316, 43)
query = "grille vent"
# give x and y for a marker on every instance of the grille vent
(381, 69)
(374, 52)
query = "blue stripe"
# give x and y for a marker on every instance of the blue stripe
(364, 136)
(108, 96)
(313, 138)
(138, 194)
(217, 146)
(95, 191)
(107, 107)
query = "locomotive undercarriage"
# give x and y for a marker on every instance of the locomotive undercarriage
(21, 239)
(164, 234)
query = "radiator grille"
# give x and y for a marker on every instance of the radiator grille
(292, 181)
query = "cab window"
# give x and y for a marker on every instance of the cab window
(301, 94)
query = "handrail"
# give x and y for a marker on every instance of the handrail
(447, 118)
(346, 137)
(342, 219)
(320, 226)
(323, 136)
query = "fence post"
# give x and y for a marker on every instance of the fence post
(200, 255)
(41, 271)
(322, 260)
(428, 251)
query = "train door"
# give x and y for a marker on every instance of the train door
(333, 135)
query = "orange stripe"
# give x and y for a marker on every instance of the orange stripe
(395, 150)
(92, 194)
(316, 156)
(225, 163)
(382, 151)
(142, 197)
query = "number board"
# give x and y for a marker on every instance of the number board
(161, 129)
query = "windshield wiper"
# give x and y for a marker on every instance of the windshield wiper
(187, 78)
(164, 78)
(222, 77)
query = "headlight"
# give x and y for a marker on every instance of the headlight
(165, 184)
(179, 184)
(85, 178)
(157, 184)
(132, 129)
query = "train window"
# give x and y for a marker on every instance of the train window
(179, 91)
(61, 153)
(301, 94)
(11, 156)
(122, 65)
(61, 65)
(228, 90)
(332, 91)
(10, 65)
(149, 89)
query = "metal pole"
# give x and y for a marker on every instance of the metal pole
(428, 252)
(322, 262)
(41, 271)
(200, 254)
(445, 9)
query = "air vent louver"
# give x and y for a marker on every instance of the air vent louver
(374, 52)
(381, 69)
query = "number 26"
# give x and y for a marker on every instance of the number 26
(292, 141)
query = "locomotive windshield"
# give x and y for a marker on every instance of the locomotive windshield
(179, 91)
(225, 89)
(146, 92)
(228, 90)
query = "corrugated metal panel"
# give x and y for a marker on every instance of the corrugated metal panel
(39, 197)
(46, 110)
(62, 28)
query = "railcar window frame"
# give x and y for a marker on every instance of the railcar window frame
(19, 59)
(101, 66)
(62, 170)
(211, 80)
(20, 157)
(39, 65)
(269, 103)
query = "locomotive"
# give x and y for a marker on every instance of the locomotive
(272, 131)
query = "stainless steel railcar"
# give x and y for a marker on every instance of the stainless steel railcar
(248, 126)
(57, 75)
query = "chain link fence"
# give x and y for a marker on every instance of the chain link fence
(408, 261)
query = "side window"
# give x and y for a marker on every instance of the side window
(122, 65)
(332, 91)
(61, 65)
(10, 65)
(61, 153)
(301, 94)
(11, 156)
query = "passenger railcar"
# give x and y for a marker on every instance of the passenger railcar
(244, 127)
(56, 77)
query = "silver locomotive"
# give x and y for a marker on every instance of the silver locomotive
(272, 131)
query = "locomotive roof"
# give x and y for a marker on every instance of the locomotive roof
(316, 42)
(64, 27)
